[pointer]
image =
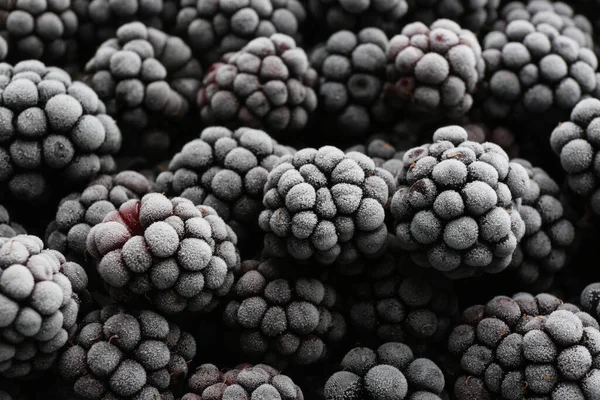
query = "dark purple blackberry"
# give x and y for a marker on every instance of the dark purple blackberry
(227, 171)
(177, 255)
(504, 137)
(39, 29)
(39, 305)
(283, 320)
(454, 207)
(590, 299)
(245, 381)
(55, 134)
(390, 372)
(267, 85)
(8, 227)
(327, 206)
(118, 354)
(383, 154)
(351, 68)
(546, 246)
(78, 213)
(526, 348)
(576, 143)
(434, 70)
(472, 15)
(148, 80)
(220, 27)
(534, 70)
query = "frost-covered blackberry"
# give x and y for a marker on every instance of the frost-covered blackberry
(590, 299)
(383, 154)
(504, 137)
(544, 249)
(526, 348)
(121, 354)
(472, 15)
(246, 381)
(8, 227)
(533, 69)
(38, 29)
(79, 212)
(454, 207)
(433, 69)
(390, 372)
(326, 205)
(577, 142)
(226, 170)
(268, 85)
(171, 252)
(283, 319)
(54, 132)
(351, 68)
(215, 28)
(148, 80)
(39, 304)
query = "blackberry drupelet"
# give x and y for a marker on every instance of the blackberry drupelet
(177, 255)
(526, 348)
(434, 70)
(148, 80)
(120, 354)
(504, 137)
(283, 319)
(383, 154)
(267, 85)
(390, 372)
(352, 68)
(327, 206)
(78, 213)
(454, 207)
(219, 27)
(39, 305)
(472, 15)
(55, 134)
(8, 227)
(246, 381)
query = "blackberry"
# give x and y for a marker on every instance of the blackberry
(526, 348)
(8, 227)
(39, 305)
(268, 85)
(434, 70)
(590, 299)
(454, 206)
(177, 255)
(390, 372)
(220, 27)
(283, 319)
(532, 69)
(123, 354)
(503, 136)
(55, 133)
(79, 212)
(549, 236)
(352, 74)
(148, 80)
(244, 382)
(38, 29)
(475, 16)
(576, 143)
(326, 205)
(383, 154)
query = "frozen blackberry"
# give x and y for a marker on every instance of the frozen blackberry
(390, 372)
(283, 319)
(326, 205)
(472, 15)
(39, 29)
(148, 80)
(219, 27)
(351, 68)
(590, 299)
(526, 348)
(39, 304)
(434, 69)
(532, 69)
(454, 206)
(577, 142)
(544, 249)
(119, 354)
(267, 85)
(226, 170)
(384, 155)
(79, 212)
(177, 255)
(55, 133)
(9, 228)
(246, 381)
(504, 137)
